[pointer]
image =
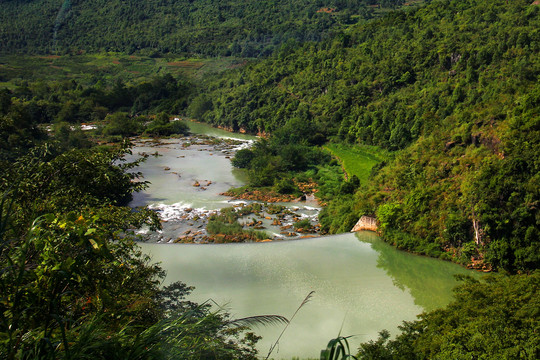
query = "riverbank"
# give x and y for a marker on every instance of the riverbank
(191, 186)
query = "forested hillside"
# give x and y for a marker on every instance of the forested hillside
(210, 27)
(453, 87)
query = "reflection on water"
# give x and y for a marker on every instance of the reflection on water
(364, 284)
(429, 281)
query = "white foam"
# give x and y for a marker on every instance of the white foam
(88, 127)
(180, 211)
(236, 202)
(142, 231)
(246, 144)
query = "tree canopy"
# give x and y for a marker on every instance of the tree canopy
(451, 88)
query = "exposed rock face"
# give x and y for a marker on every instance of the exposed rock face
(365, 223)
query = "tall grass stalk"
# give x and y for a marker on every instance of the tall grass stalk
(274, 345)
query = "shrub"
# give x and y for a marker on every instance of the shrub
(302, 224)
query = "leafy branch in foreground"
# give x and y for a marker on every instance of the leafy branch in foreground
(262, 320)
(72, 287)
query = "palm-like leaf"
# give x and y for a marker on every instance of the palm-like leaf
(337, 349)
(259, 320)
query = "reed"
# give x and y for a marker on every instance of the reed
(337, 349)
(274, 345)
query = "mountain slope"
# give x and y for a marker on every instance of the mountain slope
(454, 85)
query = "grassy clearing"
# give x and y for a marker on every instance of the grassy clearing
(357, 159)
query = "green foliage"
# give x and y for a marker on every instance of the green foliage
(67, 103)
(105, 68)
(199, 106)
(339, 215)
(389, 215)
(493, 319)
(350, 186)
(121, 124)
(276, 161)
(73, 283)
(216, 226)
(163, 126)
(39, 101)
(19, 130)
(286, 186)
(451, 87)
(47, 181)
(248, 209)
(329, 179)
(65, 269)
(242, 158)
(225, 223)
(70, 136)
(273, 209)
(71, 288)
(302, 224)
(391, 81)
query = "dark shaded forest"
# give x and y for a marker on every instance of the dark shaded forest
(209, 27)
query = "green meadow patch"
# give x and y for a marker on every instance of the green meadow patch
(357, 159)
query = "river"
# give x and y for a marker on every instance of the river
(361, 284)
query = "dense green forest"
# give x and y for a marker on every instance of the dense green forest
(211, 27)
(452, 89)
(442, 103)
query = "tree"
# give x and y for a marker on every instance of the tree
(162, 126)
(242, 158)
(121, 124)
